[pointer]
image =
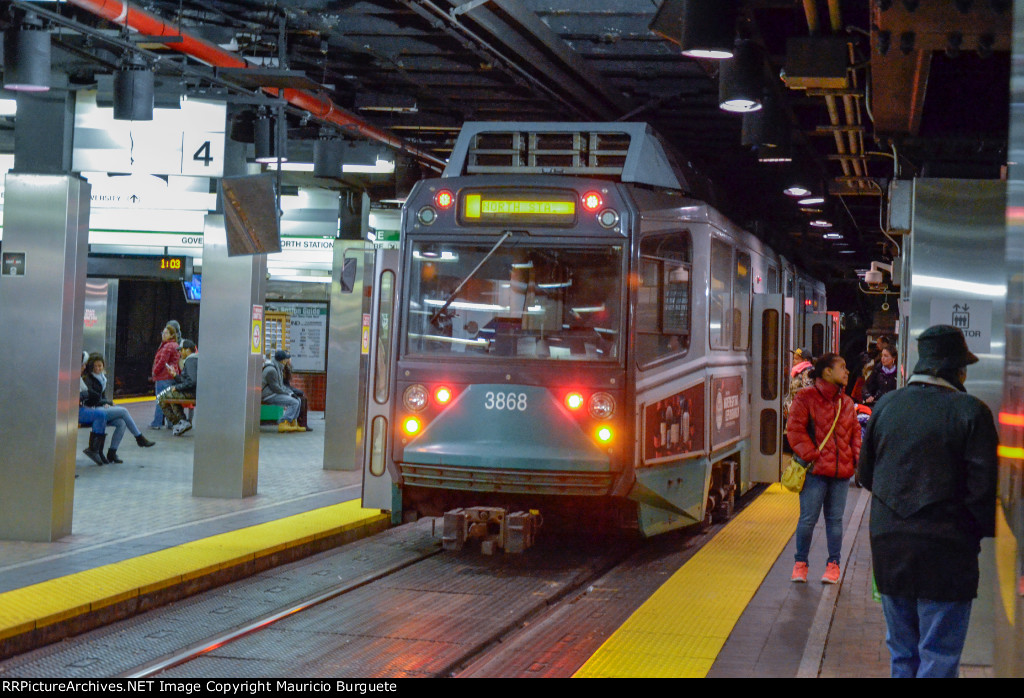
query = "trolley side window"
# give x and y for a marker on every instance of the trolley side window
(663, 298)
(741, 302)
(720, 300)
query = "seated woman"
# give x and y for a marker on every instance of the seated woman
(94, 379)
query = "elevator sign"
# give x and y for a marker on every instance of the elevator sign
(973, 317)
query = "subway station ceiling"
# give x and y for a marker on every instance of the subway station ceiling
(865, 90)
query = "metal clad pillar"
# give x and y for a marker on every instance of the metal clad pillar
(227, 443)
(42, 297)
(968, 291)
(343, 439)
(346, 362)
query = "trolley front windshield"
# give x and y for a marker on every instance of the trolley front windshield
(516, 299)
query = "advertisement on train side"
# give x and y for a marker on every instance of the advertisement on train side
(726, 401)
(674, 426)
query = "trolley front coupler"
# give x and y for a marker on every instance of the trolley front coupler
(494, 526)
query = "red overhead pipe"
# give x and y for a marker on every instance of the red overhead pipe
(321, 107)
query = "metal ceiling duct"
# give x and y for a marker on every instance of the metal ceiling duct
(320, 107)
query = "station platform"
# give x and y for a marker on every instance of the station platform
(140, 539)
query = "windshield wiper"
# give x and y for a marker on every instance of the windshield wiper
(448, 301)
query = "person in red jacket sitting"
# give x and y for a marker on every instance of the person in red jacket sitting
(832, 461)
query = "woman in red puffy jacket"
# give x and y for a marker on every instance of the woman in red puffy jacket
(810, 420)
(160, 375)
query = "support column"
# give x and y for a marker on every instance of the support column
(227, 440)
(42, 302)
(346, 363)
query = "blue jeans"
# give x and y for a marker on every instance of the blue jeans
(95, 416)
(925, 638)
(120, 419)
(158, 416)
(819, 493)
(290, 404)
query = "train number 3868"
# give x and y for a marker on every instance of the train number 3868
(505, 401)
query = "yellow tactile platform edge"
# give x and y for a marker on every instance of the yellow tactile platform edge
(681, 628)
(55, 600)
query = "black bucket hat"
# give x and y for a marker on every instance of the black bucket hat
(942, 348)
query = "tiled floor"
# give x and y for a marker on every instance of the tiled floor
(146, 503)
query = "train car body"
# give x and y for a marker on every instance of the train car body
(564, 330)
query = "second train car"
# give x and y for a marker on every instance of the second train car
(564, 331)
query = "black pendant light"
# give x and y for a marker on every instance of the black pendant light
(133, 92)
(741, 79)
(27, 56)
(708, 28)
(266, 140)
(767, 131)
(326, 156)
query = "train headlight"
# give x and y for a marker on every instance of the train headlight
(602, 406)
(608, 218)
(592, 201)
(604, 435)
(444, 199)
(411, 425)
(427, 215)
(415, 398)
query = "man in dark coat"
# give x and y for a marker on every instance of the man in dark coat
(929, 459)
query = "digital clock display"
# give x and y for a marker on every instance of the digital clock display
(174, 263)
(497, 207)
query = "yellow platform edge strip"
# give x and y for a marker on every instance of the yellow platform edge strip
(679, 631)
(55, 600)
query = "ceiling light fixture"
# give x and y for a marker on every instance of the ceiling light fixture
(821, 223)
(27, 56)
(265, 134)
(767, 131)
(326, 156)
(811, 201)
(133, 91)
(708, 28)
(796, 190)
(741, 79)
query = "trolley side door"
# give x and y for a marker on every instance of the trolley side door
(767, 388)
(817, 333)
(380, 476)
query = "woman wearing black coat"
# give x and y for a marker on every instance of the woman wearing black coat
(94, 378)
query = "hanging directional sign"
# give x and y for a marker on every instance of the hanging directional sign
(974, 317)
(186, 141)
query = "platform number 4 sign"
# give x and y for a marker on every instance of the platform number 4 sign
(202, 153)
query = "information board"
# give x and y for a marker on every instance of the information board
(307, 334)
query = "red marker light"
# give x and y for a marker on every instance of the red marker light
(444, 199)
(443, 395)
(574, 401)
(592, 201)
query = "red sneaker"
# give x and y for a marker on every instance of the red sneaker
(799, 573)
(831, 575)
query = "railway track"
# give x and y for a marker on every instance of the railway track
(391, 606)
